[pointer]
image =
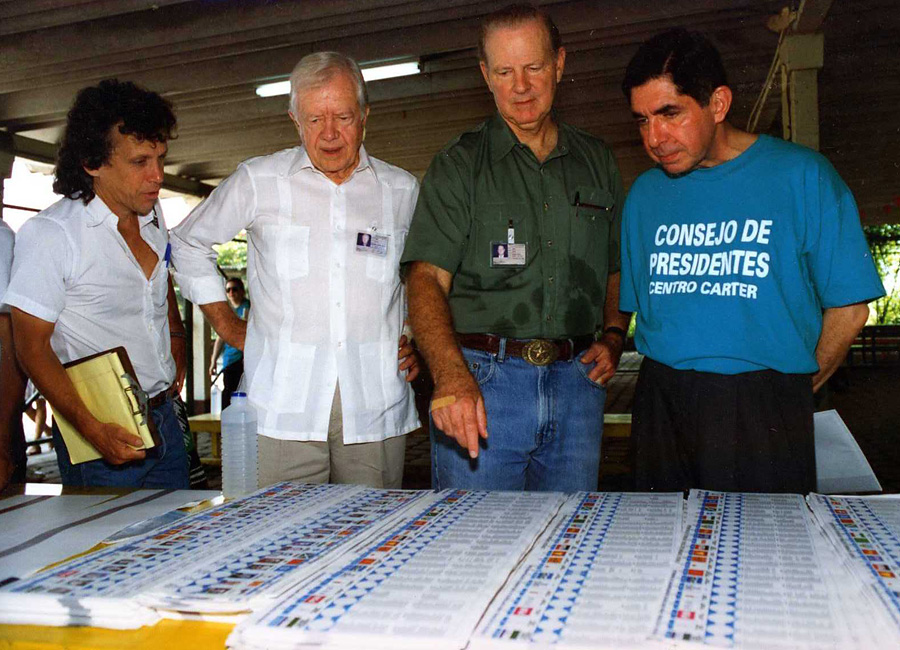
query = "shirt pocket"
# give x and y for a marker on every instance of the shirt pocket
(382, 384)
(280, 378)
(492, 222)
(592, 221)
(387, 267)
(290, 245)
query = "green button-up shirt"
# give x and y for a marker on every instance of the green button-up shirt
(567, 211)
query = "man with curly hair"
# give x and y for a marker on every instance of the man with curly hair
(89, 274)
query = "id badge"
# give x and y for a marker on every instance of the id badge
(507, 254)
(372, 244)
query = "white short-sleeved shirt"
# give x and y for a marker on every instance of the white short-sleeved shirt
(323, 311)
(74, 269)
(7, 242)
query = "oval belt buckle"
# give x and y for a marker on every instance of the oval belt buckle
(540, 352)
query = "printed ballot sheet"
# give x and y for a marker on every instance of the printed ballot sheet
(100, 589)
(423, 584)
(594, 580)
(256, 571)
(867, 531)
(749, 575)
(39, 531)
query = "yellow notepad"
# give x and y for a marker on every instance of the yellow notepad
(106, 384)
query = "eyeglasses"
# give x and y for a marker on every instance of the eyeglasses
(232, 289)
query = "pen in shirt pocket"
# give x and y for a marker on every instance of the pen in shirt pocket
(168, 256)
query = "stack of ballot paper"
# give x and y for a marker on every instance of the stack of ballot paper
(594, 579)
(220, 546)
(753, 571)
(37, 531)
(866, 532)
(423, 584)
(347, 567)
(253, 572)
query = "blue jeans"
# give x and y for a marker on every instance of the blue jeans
(544, 428)
(166, 465)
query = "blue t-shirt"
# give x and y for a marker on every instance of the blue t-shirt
(730, 267)
(232, 355)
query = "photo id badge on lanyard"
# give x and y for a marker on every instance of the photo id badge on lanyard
(372, 243)
(508, 253)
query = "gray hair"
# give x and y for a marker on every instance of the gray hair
(318, 68)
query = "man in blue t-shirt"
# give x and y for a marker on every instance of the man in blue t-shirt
(744, 259)
(232, 358)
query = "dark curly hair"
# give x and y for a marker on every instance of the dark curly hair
(87, 141)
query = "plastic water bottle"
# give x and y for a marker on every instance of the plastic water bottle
(215, 400)
(239, 469)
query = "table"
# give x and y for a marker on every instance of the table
(212, 425)
(626, 537)
(168, 633)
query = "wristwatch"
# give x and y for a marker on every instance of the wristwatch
(616, 330)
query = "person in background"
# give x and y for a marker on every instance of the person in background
(232, 358)
(36, 410)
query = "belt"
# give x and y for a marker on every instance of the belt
(160, 398)
(537, 352)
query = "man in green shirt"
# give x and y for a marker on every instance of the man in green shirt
(513, 269)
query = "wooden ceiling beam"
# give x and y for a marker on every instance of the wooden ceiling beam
(46, 153)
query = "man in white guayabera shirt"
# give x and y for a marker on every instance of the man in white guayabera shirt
(321, 353)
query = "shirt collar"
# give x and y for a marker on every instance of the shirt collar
(302, 161)
(153, 217)
(500, 137)
(98, 212)
(503, 140)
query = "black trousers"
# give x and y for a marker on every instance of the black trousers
(231, 377)
(750, 432)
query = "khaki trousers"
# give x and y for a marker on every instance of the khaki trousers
(374, 464)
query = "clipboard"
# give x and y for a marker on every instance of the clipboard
(107, 384)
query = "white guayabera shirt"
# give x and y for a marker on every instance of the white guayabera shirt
(323, 311)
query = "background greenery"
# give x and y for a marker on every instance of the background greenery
(884, 242)
(233, 255)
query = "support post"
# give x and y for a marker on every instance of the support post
(801, 58)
